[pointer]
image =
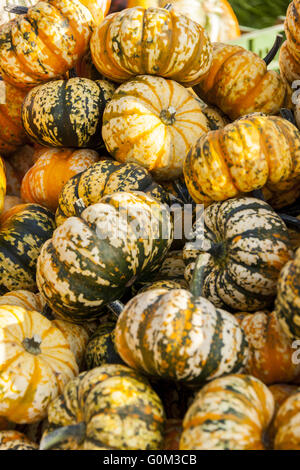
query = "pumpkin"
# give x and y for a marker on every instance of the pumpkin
(249, 154)
(12, 134)
(178, 337)
(101, 348)
(153, 122)
(14, 440)
(103, 178)
(2, 184)
(164, 284)
(44, 181)
(289, 59)
(289, 66)
(91, 259)
(152, 41)
(229, 413)
(287, 424)
(47, 41)
(280, 392)
(241, 244)
(109, 407)
(36, 363)
(23, 230)
(67, 113)
(173, 432)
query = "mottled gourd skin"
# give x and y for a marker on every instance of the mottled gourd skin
(172, 335)
(153, 122)
(67, 113)
(44, 181)
(117, 405)
(36, 363)
(14, 440)
(281, 392)
(152, 41)
(92, 259)
(101, 348)
(47, 41)
(23, 231)
(103, 178)
(287, 424)
(230, 413)
(243, 246)
(289, 58)
(251, 153)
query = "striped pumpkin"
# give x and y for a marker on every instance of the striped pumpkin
(287, 424)
(175, 336)
(67, 113)
(36, 362)
(153, 122)
(92, 259)
(29, 57)
(23, 231)
(44, 181)
(249, 154)
(101, 349)
(230, 413)
(152, 41)
(14, 440)
(109, 407)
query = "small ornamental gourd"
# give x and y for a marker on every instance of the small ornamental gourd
(240, 246)
(44, 181)
(23, 230)
(178, 337)
(230, 413)
(153, 122)
(251, 153)
(36, 362)
(67, 113)
(109, 407)
(103, 178)
(91, 259)
(152, 41)
(289, 58)
(101, 348)
(280, 392)
(14, 440)
(48, 40)
(287, 424)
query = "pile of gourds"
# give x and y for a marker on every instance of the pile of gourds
(115, 333)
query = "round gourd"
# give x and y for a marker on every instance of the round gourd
(48, 40)
(36, 362)
(153, 122)
(287, 424)
(101, 348)
(14, 440)
(109, 407)
(44, 181)
(152, 41)
(280, 392)
(230, 413)
(289, 59)
(178, 337)
(91, 259)
(67, 113)
(249, 154)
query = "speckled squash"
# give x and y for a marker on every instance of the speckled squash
(164, 284)
(103, 178)
(153, 122)
(287, 424)
(280, 392)
(111, 407)
(175, 336)
(289, 59)
(36, 363)
(23, 231)
(47, 41)
(101, 348)
(14, 440)
(289, 66)
(44, 181)
(92, 259)
(67, 113)
(230, 413)
(241, 245)
(249, 154)
(152, 41)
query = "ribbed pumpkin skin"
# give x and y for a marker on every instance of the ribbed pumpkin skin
(36, 363)
(239, 83)
(101, 348)
(23, 231)
(152, 41)
(119, 408)
(14, 440)
(289, 66)
(103, 178)
(90, 260)
(289, 59)
(48, 40)
(175, 336)
(249, 154)
(44, 181)
(287, 424)
(153, 122)
(67, 113)
(12, 134)
(230, 413)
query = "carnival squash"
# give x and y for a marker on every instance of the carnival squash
(289, 59)
(101, 349)
(14, 440)
(287, 424)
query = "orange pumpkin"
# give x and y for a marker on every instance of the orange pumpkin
(287, 424)
(289, 59)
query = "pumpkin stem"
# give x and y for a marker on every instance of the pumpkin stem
(116, 308)
(73, 431)
(168, 116)
(18, 10)
(32, 345)
(196, 286)
(272, 53)
(168, 6)
(79, 207)
(288, 115)
(290, 221)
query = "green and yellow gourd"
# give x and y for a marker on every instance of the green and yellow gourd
(101, 348)
(14, 440)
